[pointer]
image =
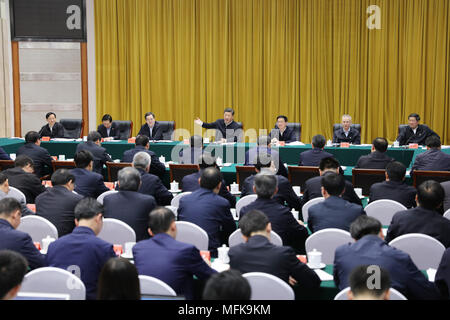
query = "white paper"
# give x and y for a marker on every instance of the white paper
(219, 266)
(227, 164)
(365, 145)
(323, 275)
(431, 274)
(295, 143)
(384, 230)
(408, 172)
(63, 139)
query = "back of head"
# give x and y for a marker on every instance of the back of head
(13, 267)
(433, 142)
(141, 160)
(263, 141)
(227, 285)
(318, 141)
(8, 206)
(380, 144)
(118, 280)
(361, 277)
(210, 178)
(430, 195)
(329, 163)
(61, 177)
(160, 220)
(22, 161)
(94, 136)
(129, 179)
(206, 160)
(3, 178)
(31, 137)
(396, 171)
(87, 209)
(83, 159)
(196, 141)
(363, 226)
(142, 140)
(265, 185)
(333, 183)
(253, 221)
(263, 161)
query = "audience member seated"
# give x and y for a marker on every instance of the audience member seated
(18, 241)
(414, 132)
(57, 204)
(227, 130)
(263, 150)
(442, 279)
(433, 159)
(371, 249)
(52, 129)
(128, 205)
(425, 218)
(394, 188)
(334, 211)
(4, 193)
(89, 183)
(107, 129)
(191, 155)
(313, 157)
(4, 155)
(205, 208)
(93, 145)
(227, 285)
(167, 259)
(82, 248)
(346, 133)
(13, 267)
(291, 231)
(151, 128)
(377, 159)
(40, 156)
(362, 276)
(446, 186)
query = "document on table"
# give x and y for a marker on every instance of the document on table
(323, 275)
(295, 143)
(431, 274)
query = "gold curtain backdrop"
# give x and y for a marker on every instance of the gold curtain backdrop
(311, 60)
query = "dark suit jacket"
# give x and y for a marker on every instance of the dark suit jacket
(285, 192)
(420, 220)
(99, 153)
(313, 157)
(372, 250)
(4, 155)
(374, 160)
(176, 264)
(88, 183)
(333, 212)
(288, 135)
(156, 167)
(83, 249)
(40, 156)
(28, 183)
(221, 130)
(57, 131)
(190, 183)
(442, 279)
(252, 154)
(259, 255)
(407, 136)
(57, 205)
(21, 242)
(394, 190)
(446, 186)
(157, 133)
(23, 203)
(432, 159)
(113, 132)
(354, 136)
(132, 208)
(210, 212)
(152, 186)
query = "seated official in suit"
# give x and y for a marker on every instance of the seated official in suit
(258, 254)
(312, 157)
(414, 132)
(433, 159)
(15, 240)
(371, 249)
(263, 150)
(292, 232)
(346, 133)
(227, 285)
(377, 159)
(89, 183)
(425, 218)
(52, 129)
(21, 177)
(361, 276)
(82, 248)
(442, 279)
(57, 204)
(40, 156)
(128, 205)
(394, 188)
(151, 128)
(14, 267)
(446, 186)
(142, 145)
(5, 192)
(191, 182)
(282, 132)
(227, 130)
(191, 155)
(151, 185)
(93, 145)
(167, 259)
(107, 129)
(205, 208)
(333, 212)
(313, 186)
(4, 155)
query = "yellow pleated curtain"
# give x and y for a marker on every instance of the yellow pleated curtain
(311, 60)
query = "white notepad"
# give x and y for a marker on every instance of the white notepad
(323, 275)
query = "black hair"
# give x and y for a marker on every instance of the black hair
(142, 140)
(380, 144)
(88, 208)
(253, 221)
(149, 114)
(61, 177)
(160, 219)
(3, 178)
(318, 141)
(396, 171)
(414, 115)
(118, 280)
(13, 267)
(229, 110)
(333, 183)
(363, 226)
(360, 277)
(8, 206)
(227, 285)
(107, 117)
(83, 158)
(263, 161)
(282, 117)
(328, 163)
(430, 195)
(94, 136)
(49, 114)
(206, 160)
(210, 178)
(31, 137)
(433, 142)
(22, 161)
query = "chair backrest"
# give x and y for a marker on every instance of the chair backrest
(54, 280)
(384, 210)
(365, 178)
(124, 128)
(101, 197)
(356, 126)
(265, 286)
(153, 286)
(173, 209)
(393, 294)
(297, 127)
(6, 164)
(73, 128)
(446, 213)
(425, 251)
(420, 176)
(236, 238)
(244, 201)
(63, 165)
(191, 233)
(179, 171)
(17, 194)
(308, 205)
(299, 175)
(242, 173)
(117, 232)
(176, 200)
(402, 126)
(114, 168)
(326, 241)
(168, 127)
(38, 228)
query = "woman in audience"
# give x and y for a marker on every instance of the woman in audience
(118, 281)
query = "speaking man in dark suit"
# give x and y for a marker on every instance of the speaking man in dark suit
(167, 259)
(333, 212)
(192, 154)
(394, 188)
(40, 156)
(128, 205)
(57, 204)
(107, 129)
(414, 132)
(425, 218)
(227, 130)
(142, 145)
(258, 254)
(52, 129)
(151, 128)
(82, 248)
(93, 145)
(89, 183)
(433, 159)
(205, 208)
(312, 157)
(442, 279)
(370, 249)
(4, 155)
(16, 240)
(264, 151)
(446, 186)
(282, 132)
(377, 159)
(346, 133)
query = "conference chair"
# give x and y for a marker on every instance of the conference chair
(265, 286)
(176, 200)
(420, 176)
(38, 228)
(104, 194)
(296, 126)
(384, 210)
(114, 168)
(17, 194)
(124, 128)
(191, 233)
(356, 126)
(153, 286)
(73, 128)
(299, 175)
(446, 214)
(307, 205)
(168, 127)
(425, 251)
(244, 201)
(242, 173)
(365, 178)
(63, 165)
(393, 294)
(326, 241)
(179, 171)
(6, 164)
(173, 209)
(236, 238)
(117, 232)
